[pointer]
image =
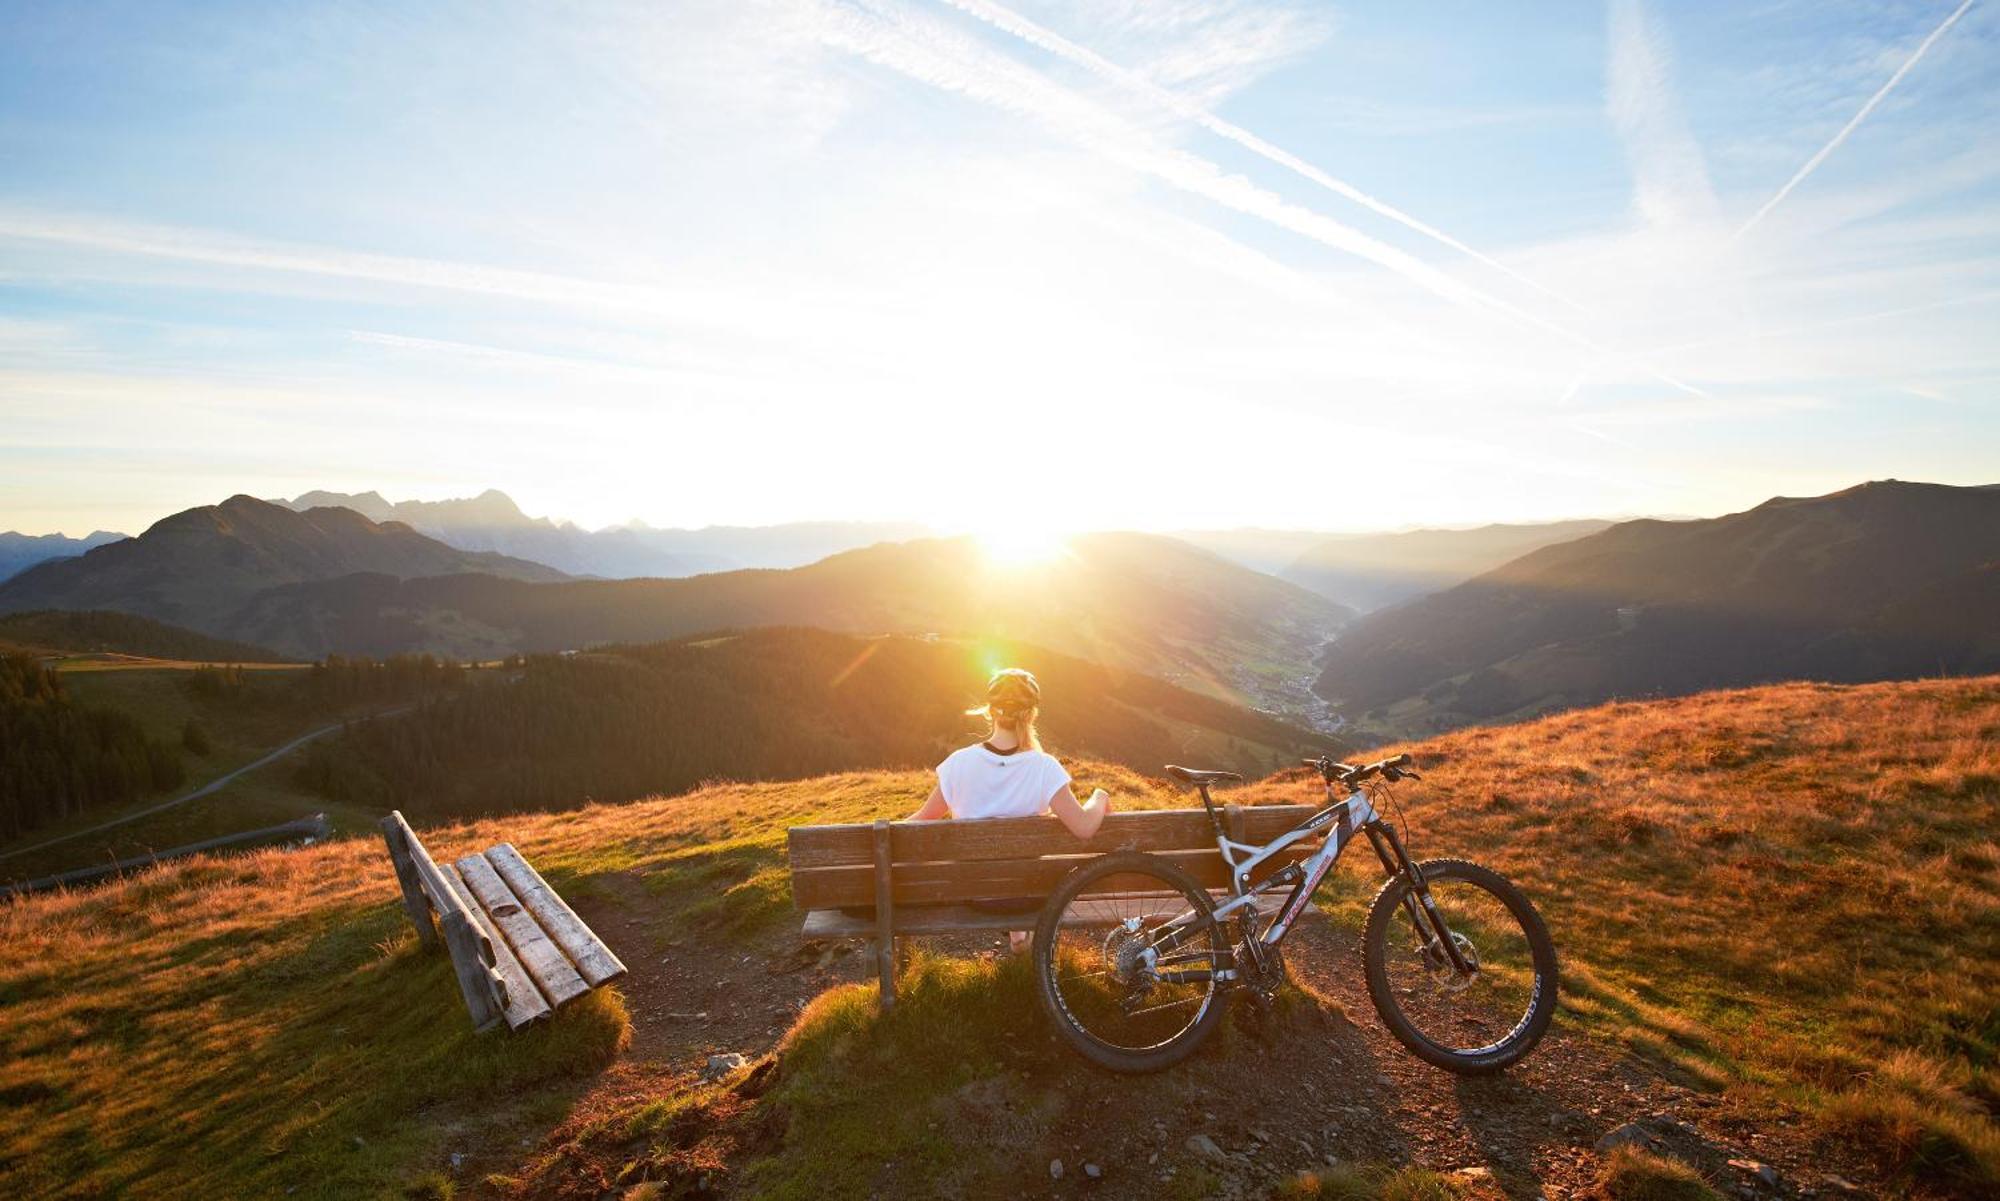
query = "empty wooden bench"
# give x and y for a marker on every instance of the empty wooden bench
(520, 952)
(886, 880)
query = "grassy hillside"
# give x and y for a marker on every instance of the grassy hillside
(1790, 893)
(1789, 897)
(1883, 581)
(624, 722)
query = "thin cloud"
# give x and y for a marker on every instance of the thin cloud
(1853, 122)
(1011, 22)
(1670, 184)
(202, 246)
(930, 53)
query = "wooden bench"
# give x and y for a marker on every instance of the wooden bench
(885, 880)
(520, 952)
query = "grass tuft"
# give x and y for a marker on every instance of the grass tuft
(1630, 1174)
(1376, 1183)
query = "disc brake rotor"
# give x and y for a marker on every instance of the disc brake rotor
(1442, 972)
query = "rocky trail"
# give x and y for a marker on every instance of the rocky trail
(1323, 1084)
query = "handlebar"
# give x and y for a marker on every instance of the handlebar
(1395, 767)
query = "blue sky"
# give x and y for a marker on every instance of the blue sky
(1107, 263)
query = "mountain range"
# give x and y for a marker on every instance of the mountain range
(492, 522)
(197, 567)
(18, 552)
(1137, 601)
(1884, 580)
(1375, 571)
(332, 580)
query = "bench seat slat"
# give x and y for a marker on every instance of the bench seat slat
(521, 1000)
(543, 960)
(960, 919)
(1029, 837)
(594, 961)
(945, 882)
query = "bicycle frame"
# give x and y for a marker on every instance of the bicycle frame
(1355, 814)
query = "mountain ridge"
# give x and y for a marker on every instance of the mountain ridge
(196, 567)
(492, 521)
(1869, 582)
(1138, 601)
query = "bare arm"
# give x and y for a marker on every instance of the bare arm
(1082, 819)
(934, 808)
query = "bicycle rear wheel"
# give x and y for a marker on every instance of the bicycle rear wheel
(1125, 958)
(1470, 1023)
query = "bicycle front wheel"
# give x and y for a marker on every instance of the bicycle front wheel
(1126, 956)
(1470, 1022)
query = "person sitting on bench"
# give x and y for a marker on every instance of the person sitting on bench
(1010, 775)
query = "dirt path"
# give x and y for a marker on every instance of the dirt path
(1330, 1085)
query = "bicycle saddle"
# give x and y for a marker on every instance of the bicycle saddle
(1188, 775)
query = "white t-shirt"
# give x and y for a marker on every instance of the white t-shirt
(978, 782)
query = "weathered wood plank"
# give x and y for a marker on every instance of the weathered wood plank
(415, 905)
(1028, 837)
(945, 882)
(963, 919)
(528, 999)
(594, 960)
(471, 950)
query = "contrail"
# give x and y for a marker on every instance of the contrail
(1012, 22)
(1856, 120)
(942, 58)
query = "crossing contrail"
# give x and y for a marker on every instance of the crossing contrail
(1012, 22)
(1856, 120)
(941, 57)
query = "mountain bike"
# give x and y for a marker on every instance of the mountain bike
(1135, 960)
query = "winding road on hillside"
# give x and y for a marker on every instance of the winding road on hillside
(207, 789)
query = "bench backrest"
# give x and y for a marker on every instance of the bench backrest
(941, 862)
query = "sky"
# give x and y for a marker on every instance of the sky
(1107, 263)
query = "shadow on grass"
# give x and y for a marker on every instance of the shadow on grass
(323, 1054)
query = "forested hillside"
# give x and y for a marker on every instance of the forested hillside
(763, 704)
(102, 631)
(76, 741)
(58, 757)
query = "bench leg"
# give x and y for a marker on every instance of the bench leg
(884, 943)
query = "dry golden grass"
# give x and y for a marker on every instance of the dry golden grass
(1790, 893)
(247, 1025)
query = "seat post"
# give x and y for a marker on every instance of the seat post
(1214, 819)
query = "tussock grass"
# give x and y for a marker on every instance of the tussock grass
(1791, 893)
(1373, 1183)
(1630, 1174)
(877, 1104)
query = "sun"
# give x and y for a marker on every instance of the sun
(1016, 546)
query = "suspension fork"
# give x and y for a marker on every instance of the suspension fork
(1424, 915)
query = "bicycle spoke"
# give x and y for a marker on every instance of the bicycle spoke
(1465, 1012)
(1116, 958)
